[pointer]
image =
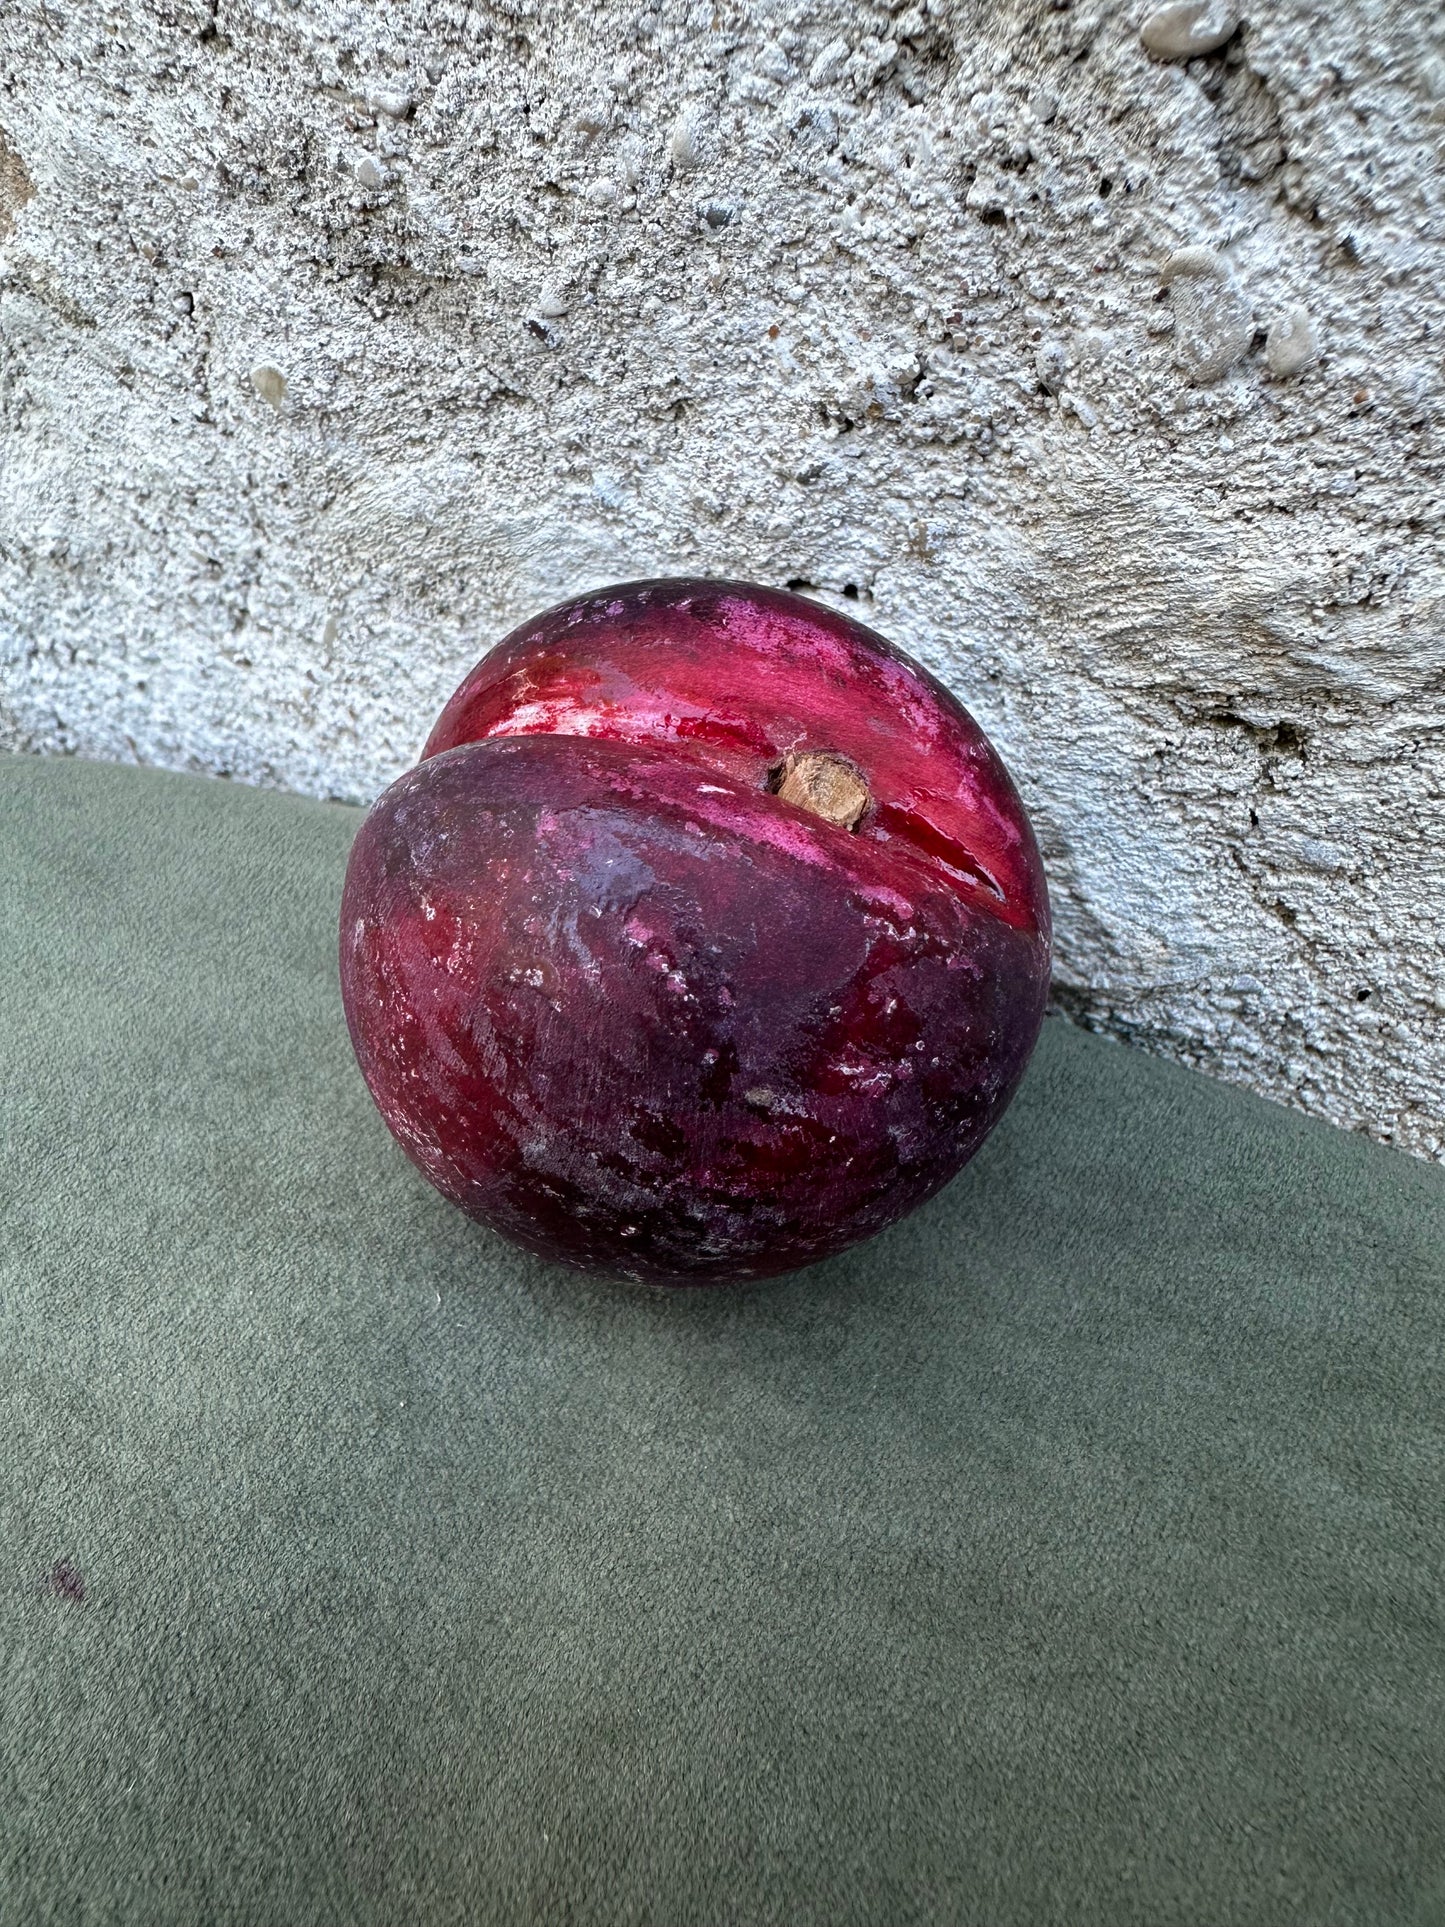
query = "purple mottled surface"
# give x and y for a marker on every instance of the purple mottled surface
(623, 1003)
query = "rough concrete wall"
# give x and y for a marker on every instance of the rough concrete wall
(337, 338)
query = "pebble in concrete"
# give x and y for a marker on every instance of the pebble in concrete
(269, 383)
(1186, 28)
(1293, 342)
(1213, 320)
(685, 146)
(1051, 365)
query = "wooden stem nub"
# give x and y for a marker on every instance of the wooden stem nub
(828, 786)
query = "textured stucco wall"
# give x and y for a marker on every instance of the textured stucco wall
(336, 338)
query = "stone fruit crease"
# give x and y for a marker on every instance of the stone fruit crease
(626, 1004)
(738, 677)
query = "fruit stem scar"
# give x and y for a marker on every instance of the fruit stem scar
(827, 785)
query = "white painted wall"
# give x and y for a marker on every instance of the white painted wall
(336, 338)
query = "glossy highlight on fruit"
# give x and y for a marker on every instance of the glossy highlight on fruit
(708, 937)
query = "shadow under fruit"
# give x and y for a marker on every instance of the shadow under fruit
(709, 937)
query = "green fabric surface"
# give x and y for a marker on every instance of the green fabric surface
(1071, 1553)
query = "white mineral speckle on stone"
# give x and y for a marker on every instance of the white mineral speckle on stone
(1292, 343)
(1208, 634)
(1186, 28)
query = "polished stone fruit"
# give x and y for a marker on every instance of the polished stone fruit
(709, 936)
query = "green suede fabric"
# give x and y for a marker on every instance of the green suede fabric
(1071, 1553)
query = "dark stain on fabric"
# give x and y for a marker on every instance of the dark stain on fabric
(63, 1581)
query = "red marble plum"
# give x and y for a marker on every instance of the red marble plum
(709, 936)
